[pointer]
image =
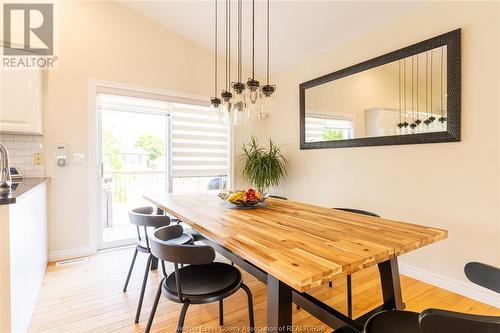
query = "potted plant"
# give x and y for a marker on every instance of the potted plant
(263, 167)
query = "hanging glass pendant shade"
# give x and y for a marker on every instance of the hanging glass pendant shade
(239, 100)
(238, 88)
(267, 91)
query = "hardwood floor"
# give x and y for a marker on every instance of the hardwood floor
(88, 297)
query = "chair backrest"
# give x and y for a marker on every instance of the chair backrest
(440, 321)
(143, 217)
(358, 211)
(163, 249)
(484, 275)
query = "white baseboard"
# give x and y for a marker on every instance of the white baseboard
(65, 254)
(462, 288)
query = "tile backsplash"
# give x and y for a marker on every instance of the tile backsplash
(25, 153)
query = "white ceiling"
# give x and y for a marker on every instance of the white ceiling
(299, 29)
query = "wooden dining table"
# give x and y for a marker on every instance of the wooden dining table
(294, 247)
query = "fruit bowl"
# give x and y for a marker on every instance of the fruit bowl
(248, 198)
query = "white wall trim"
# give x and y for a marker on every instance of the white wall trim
(58, 255)
(462, 288)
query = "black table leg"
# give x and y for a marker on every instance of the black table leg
(279, 306)
(391, 286)
(154, 264)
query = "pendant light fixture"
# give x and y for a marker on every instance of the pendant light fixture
(215, 101)
(238, 100)
(267, 90)
(252, 84)
(239, 103)
(226, 95)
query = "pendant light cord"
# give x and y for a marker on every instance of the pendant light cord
(239, 40)
(412, 88)
(227, 39)
(399, 71)
(442, 72)
(215, 53)
(268, 9)
(229, 43)
(404, 88)
(417, 88)
(253, 39)
(432, 61)
(427, 83)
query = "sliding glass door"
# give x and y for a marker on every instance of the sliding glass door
(153, 146)
(133, 161)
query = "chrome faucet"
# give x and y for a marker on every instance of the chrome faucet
(5, 180)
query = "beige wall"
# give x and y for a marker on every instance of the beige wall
(461, 194)
(104, 41)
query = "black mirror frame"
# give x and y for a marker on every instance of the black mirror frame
(452, 40)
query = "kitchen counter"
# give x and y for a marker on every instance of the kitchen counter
(23, 252)
(18, 189)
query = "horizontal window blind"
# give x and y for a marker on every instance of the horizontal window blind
(199, 142)
(131, 104)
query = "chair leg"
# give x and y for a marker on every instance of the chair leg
(143, 289)
(130, 271)
(250, 306)
(330, 284)
(349, 296)
(163, 269)
(182, 317)
(155, 305)
(221, 312)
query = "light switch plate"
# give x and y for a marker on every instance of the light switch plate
(37, 159)
(78, 158)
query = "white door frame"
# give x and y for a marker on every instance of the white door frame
(95, 194)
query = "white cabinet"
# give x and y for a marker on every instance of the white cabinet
(21, 101)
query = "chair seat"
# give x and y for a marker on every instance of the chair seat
(393, 322)
(205, 283)
(183, 239)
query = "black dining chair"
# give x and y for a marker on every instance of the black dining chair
(143, 217)
(349, 278)
(201, 281)
(441, 321)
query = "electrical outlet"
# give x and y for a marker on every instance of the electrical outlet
(37, 158)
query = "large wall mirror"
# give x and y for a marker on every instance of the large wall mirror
(409, 96)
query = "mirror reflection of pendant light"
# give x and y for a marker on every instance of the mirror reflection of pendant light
(239, 103)
(215, 101)
(252, 84)
(267, 90)
(412, 125)
(417, 121)
(405, 123)
(226, 94)
(427, 121)
(432, 118)
(442, 119)
(400, 124)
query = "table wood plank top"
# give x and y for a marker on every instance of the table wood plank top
(302, 245)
